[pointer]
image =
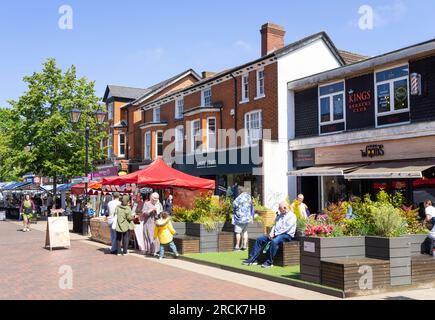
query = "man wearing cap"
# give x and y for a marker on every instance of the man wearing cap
(112, 205)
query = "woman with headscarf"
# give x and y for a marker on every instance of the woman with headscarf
(150, 213)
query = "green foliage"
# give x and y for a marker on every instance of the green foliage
(257, 205)
(412, 219)
(42, 120)
(336, 212)
(205, 211)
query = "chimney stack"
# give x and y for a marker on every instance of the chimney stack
(272, 38)
(207, 74)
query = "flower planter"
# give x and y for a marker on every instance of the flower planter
(313, 250)
(268, 217)
(417, 243)
(180, 227)
(397, 251)
(208, 240)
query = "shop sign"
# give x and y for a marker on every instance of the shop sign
(304, 158)
(206, 164)
(375, 150)
(360, 101)
(106, 172)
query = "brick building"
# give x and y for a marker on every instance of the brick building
(234, 126)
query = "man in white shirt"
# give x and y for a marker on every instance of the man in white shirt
(430, 217)
(283, 231)
(111, 206)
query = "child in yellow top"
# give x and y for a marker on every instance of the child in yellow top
(165, 232)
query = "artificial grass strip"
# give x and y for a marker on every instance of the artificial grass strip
(235, 259)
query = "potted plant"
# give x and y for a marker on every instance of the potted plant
(417, 231)
(267, 216)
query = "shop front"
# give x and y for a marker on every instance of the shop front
(338, 172)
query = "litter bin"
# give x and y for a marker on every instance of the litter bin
(77, 222)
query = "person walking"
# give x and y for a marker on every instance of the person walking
(169, 204)
(165, 232)
(242, 216)
(124, 224)
(111, 207)
(150, 213)
(27, 209)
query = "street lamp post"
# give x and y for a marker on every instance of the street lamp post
(75, 118)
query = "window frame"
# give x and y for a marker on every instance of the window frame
(208, 134)
(179, 139)
(245, 88)
(110, 111)
(261, 95)
(157, 143)
(155, 120)
(247, 129)
(393, 102)
(149, 156)
(109, 146)
(331, 107)
(203, 103)
(179, 115)
(192, 138)
(121, 155)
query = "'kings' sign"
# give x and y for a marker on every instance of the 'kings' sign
(360, 102)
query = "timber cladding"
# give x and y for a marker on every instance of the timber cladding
(313, 250)
(397, 251)
(422, 267)
(355, 274)
(287, 255)
(186, 244)
(413, 148)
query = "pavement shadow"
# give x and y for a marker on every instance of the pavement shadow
(399, 298)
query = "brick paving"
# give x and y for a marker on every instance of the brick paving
(29, 271)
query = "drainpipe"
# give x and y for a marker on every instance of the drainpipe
(235, 102)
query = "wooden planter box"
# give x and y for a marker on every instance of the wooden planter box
(100, 231)
(226, 241)
(422, 269)
(397, 251)
(208, 240)
(313, 250)
(348, 275)
(186, 244)
(180, 227)
(417, 243)
(287, 255)
(268, 217)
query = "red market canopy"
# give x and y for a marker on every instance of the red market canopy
(80, 188)
(160, 175)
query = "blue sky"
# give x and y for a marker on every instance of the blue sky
(138, 43)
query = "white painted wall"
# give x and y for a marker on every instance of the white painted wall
(311, 59)
(274, 186)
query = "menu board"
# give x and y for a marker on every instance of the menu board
(57, 233)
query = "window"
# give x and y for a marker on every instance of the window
(206, 97)
(392, 91)
(253, 128)
(245, 88)
(211, 134)
(110, 111)
(179, 108)
(179, 139)
(159, 144)
(260, 84)
(148, 145)
(121, 145)
(156, 115)
(331, 108)
(196, 136)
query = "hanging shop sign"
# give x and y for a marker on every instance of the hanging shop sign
(372, 151)
(304, 158)
(360, 102)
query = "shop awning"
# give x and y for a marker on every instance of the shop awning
(325, 171)
(409, 169)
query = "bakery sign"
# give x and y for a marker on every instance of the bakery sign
(372, 151)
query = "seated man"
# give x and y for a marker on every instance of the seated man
(283, 231)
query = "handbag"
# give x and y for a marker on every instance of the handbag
(115, 219)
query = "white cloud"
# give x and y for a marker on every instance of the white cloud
(243, 44)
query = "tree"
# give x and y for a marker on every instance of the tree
(45, 141)
(8, 121)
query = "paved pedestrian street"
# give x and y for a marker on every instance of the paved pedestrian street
(31, 272)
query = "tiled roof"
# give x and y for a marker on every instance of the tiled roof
(350, 57)
(126, 92)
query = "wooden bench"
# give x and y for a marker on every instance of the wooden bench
(288, 254)
(186, 244)
(226, 241)
(348, 274)
(422, 268)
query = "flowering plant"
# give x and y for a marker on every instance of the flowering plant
(320, 230)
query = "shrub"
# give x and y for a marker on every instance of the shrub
(388, 221)
(412, 219)
(337, 211)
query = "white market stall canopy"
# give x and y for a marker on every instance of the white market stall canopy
(325, 171)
